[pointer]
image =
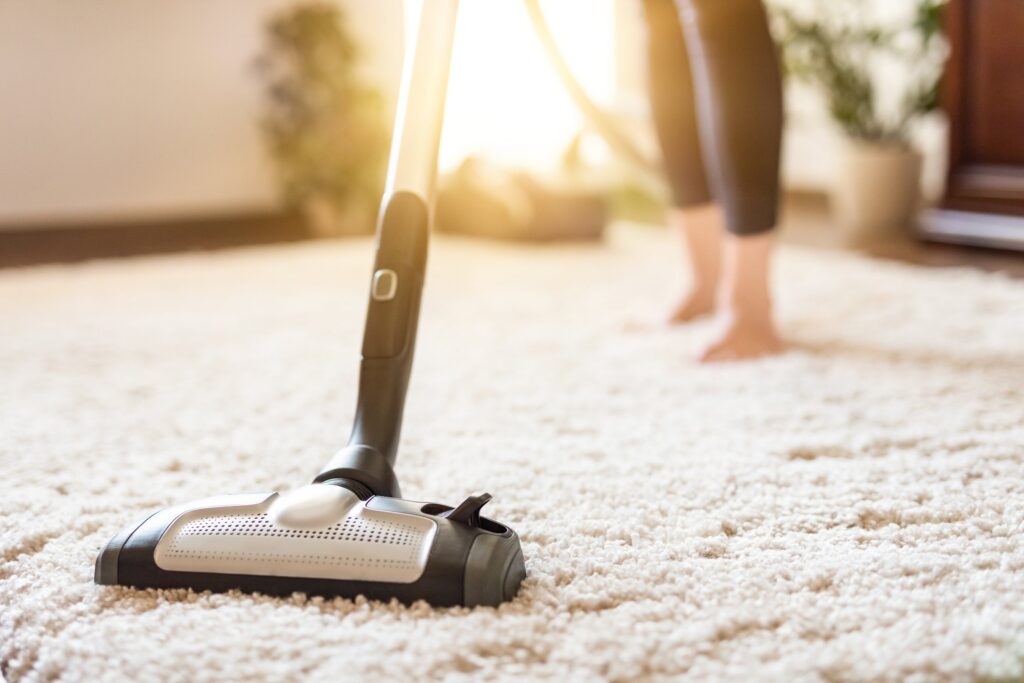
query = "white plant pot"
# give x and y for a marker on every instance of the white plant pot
(877, 191)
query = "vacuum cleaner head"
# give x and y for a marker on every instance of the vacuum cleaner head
(321, 539)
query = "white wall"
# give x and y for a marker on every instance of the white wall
(124, 109)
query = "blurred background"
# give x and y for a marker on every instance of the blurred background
(133, 128)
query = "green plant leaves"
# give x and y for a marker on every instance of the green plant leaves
(835, 48)
(323, 126)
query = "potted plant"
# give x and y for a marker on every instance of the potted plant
(835, 48)
(324, 127)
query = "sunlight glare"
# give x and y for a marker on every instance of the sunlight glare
(504, 100)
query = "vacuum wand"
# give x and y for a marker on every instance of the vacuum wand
(366, 464)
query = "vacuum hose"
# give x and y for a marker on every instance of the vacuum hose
(605, 125)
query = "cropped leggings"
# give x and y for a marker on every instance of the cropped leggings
(716, 100)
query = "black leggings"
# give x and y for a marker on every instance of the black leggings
(716, 99)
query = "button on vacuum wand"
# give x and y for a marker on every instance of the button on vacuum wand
(385, 284)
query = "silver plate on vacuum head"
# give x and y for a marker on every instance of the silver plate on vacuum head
(363, 545)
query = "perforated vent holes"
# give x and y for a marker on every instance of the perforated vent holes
(368, 545)
(351, 529)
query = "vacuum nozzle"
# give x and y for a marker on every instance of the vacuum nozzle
(321, 539)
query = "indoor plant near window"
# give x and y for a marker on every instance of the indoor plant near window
(836, 49)
(324, 126)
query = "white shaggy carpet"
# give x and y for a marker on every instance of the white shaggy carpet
(850, 511)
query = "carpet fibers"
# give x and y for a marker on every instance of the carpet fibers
(852, 510)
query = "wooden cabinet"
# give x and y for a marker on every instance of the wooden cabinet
(984, 99)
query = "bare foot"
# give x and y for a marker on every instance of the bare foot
(748, 330)
(743, 338)
(691, 306)
(700, 229)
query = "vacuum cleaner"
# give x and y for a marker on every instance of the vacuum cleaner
(350, 532)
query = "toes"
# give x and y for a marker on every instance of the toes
(688, 314)
(720, 356)
(680, 316)
(691, 307)
(716, 353)
(729, 350)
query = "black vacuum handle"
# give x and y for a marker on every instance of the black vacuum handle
(392, 317)
(366, 465)
(389, 341)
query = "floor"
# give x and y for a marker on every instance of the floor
(806, 222)
(852, 510)
(75, 242)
